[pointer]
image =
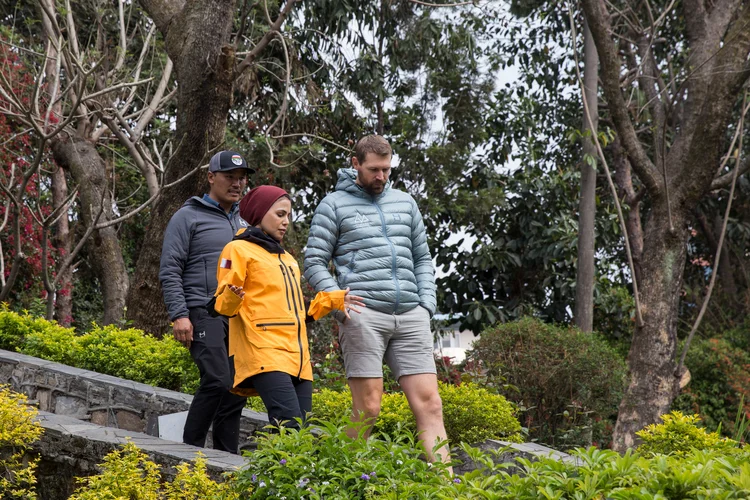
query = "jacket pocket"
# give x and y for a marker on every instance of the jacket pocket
(349, 269)
(275, 333)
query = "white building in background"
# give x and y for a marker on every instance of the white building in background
(452, 342)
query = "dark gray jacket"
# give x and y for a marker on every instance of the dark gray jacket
(195, 237)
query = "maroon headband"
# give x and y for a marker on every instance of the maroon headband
(258, 201)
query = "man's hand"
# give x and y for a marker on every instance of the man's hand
(183, 331)
(352, 303)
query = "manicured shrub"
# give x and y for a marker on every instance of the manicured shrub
(679, 434)
(129, 353)
(18, 429)
(128, 473)
(15, 327)
(569, 382)
(472, 414)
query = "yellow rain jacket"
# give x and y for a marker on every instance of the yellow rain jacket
(267, 329)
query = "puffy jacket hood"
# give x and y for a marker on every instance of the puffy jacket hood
(347, 182)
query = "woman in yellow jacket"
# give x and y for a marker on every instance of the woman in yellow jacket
(259, 289)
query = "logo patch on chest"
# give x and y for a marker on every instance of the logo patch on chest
(360, 220)
(397, 217)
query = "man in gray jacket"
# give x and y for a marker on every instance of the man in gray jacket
(195, 237)
(377, 241)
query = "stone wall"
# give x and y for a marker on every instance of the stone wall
(70, 448)
(100, 399)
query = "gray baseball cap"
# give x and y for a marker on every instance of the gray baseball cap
(224, 161)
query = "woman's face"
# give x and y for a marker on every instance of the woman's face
(276, 220)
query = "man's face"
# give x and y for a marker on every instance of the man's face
(227, 187)
(373, 172)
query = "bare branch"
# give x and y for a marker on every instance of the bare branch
(458, 4)
(267, 37)
(598, 19)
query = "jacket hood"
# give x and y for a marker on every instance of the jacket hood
(257, 236)
(348, 182)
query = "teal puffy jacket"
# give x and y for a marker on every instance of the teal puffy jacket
(378, 246)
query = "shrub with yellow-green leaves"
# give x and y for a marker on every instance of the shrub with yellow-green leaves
(15, 327)
(471, 413)
(18, 429)
(130, 353)
(678, 434)
(128, 473)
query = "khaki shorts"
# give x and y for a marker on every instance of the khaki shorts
(404, 341)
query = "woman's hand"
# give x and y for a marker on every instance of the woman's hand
(352, 303)
(238, 291)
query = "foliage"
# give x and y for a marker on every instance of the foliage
(128, 473)
(568, 382)
(15, 327)
(471, 413)
(679, 434)
(296, 464)
(129, 354)
(720, 378)
(18, 429)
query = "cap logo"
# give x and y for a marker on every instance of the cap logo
(237, 159)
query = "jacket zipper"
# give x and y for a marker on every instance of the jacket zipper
(394, 268)
(286, 287)
(296, 313)
(296, 285)
(264, 325)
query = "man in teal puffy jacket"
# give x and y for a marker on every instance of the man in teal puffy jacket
(376, 238)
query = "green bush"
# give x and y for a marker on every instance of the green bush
(129, 354)
(297, 464)
(15, 327)
(679, 434)
(129, 474)
(18, 429)
(326, 464)
(570, 383)
(719, 378)
(472, 414)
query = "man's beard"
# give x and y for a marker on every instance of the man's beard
(374, 188)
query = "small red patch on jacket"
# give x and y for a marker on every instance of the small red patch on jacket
(225, 264)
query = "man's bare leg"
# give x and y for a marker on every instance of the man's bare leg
(421, 391)
(367, 394)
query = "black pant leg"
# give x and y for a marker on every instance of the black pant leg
(304, 389)
(279, 394)
(226, 424)
(209, 352)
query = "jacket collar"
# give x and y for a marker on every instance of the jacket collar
(257, 236)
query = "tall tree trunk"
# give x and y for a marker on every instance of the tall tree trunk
(87, 168)
(62, 243)
(652, 384)
(197, 40)
(584, 306)
(624, 180)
